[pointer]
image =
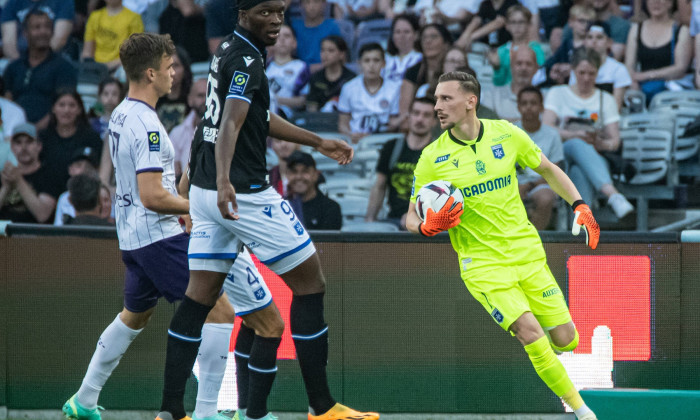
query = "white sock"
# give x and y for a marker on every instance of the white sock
(212, 357)
(582, 411)
(112, 345)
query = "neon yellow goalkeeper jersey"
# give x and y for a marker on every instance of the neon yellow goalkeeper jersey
(495, 230)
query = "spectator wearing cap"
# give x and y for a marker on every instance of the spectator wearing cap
(14, 13)
(84, 161)
(34, 78)
(28, 191)
(84, 194)
(316, 211)
(613, 76)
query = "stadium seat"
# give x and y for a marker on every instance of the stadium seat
(90, 71)
(685, 106)
(353, 208)
(377, 141)
(316, 121)
(647, 142)
(340, 185)
(347, 31)
(200, 70)
(369, 227)
(375, 30)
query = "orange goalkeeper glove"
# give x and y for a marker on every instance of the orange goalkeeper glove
(584, 217)
(447, 218)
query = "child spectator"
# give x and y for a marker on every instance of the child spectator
(310, 29)
(619, 27)
(488, 26)
(14, 13)
(368, 103)
(325, 84)
(613, 76)
(518, 20)
(538, 197)
(109, 93)
(287, 76)
(401, 50)
(557, 67)
(106, 29)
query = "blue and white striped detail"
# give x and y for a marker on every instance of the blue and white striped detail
(288, 253)
(184, 337)
(310, 337)
(260, 370)
(239, 354)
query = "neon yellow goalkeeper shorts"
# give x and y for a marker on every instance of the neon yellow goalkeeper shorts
(508, 292)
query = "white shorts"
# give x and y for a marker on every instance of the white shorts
(245, 286)
(267, 226)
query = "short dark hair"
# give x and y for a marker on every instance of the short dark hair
(84, 192)
(339, 42)
(531, 89)
(144, 51)
(467, 82)
(34, 11)
(370, 46)
(427, 99)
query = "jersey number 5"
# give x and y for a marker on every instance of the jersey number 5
(212, 103)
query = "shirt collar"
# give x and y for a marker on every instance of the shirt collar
(469, 142)
(248, 37)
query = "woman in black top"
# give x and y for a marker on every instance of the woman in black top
(658, 49)
(67, 131)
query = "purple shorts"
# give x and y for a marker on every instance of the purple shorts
(157, 270)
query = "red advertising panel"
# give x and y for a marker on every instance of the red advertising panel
(614, 291)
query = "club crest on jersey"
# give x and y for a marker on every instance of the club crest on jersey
(238, 83)
(497, 315)
(498, 152)
(480, 167)
(259, 294)
(299, 228)
(153, 141)
(442, 158)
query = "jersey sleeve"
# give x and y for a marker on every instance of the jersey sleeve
(245, 74)
(528, 153)
(147, 145)
(422, 174)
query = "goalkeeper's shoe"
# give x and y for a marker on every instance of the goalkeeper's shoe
(588, 416)
(164, 415)
(73, 410)
(217, 416)
(341, 412)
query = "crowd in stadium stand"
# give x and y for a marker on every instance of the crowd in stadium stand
(566, 71)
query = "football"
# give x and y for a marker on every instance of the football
(434, 195)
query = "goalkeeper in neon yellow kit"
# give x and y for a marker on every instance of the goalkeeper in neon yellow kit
(502, 260)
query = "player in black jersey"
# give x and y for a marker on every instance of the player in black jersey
(232, 205)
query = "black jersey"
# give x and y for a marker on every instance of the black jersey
(237, 72)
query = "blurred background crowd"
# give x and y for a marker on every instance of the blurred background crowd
(606, 88)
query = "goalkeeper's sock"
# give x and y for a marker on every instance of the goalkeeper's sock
(552, 372)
